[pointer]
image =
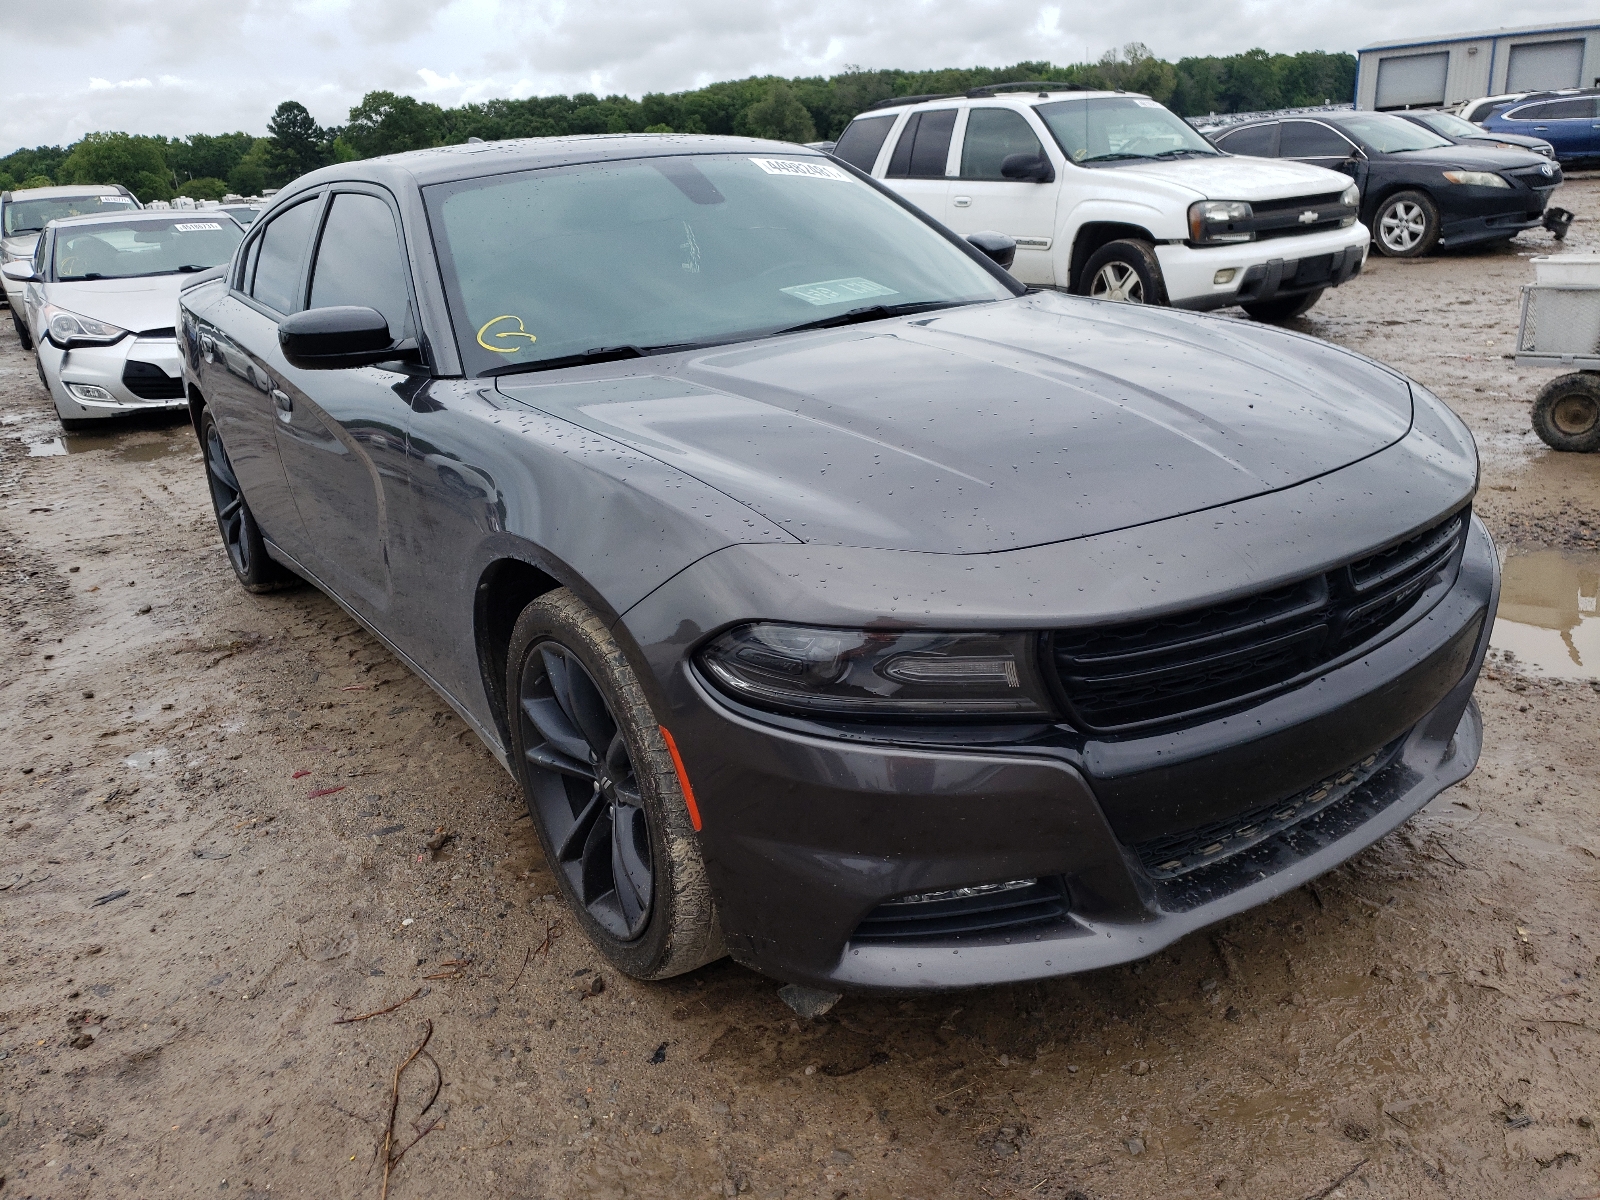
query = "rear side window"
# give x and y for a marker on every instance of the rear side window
(1555, 110)
(860, 142)
(1311, 139)
(1257, 141)
(924, 145)
(993, 134)
(283, 252)
(360, 261)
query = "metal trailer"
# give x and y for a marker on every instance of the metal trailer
(1560, 328)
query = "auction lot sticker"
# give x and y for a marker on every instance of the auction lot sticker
(838, 291)
(195, 226)
(805, 170)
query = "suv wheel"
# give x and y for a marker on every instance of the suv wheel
(1125, 271)
(1566, 412)
(1275, 312)
(603, 792)
(1406, 225)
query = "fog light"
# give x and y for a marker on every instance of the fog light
(1225, 275)
(963, 893)
(88, 391)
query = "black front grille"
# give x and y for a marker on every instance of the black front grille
(947, 916)
(1179, 667)
(1293, 204)
(149, 382)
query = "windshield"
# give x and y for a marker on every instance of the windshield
(1112, 129)
(118, 250)
(1450, 125)
(245, 216)
(30, 216)
(550, 266)
(1389, 135)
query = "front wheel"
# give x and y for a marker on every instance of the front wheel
(1566, 413)
(604, 793)
(1406, 225)
(241, 537)
(21, 327)
(1287, 308)
(1125, 271)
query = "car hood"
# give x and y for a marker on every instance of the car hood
(993, 427)
(133, 304)
(1468, 157)
(1235, 177)
(1510, 139)
(20, 246)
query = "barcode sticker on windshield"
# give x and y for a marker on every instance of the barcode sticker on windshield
(195, 226)
(810, 169)
(838, 291)
(1147, 103)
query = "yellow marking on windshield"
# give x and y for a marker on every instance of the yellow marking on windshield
(520, 331)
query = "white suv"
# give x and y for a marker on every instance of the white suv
(1109, 194)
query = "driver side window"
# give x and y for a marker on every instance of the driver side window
(360, 262)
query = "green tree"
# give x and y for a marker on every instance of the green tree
(204, 189)
(207, 156)
(249, 178)
(779, 115)
(138, 163)
(37, 181)
(297, 144)
(386, 123)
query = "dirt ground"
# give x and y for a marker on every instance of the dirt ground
(217, 817)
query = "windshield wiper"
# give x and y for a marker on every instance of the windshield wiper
(1110, 157)
(599, 354)
(188, 267)
(872, 312)
(1187, 150)
(80, 278)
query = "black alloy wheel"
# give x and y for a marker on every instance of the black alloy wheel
(1566, 412)
(604, 793)
(247, 553)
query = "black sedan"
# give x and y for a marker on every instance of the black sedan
(1419, 189)
(837, 603)
(1465, 133)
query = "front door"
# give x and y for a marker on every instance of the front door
(983, 199)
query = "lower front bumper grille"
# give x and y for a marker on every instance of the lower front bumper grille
(964, 912)
(149, 382)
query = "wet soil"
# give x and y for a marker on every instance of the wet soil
(217, 818)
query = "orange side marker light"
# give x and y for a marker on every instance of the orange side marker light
(683, 777)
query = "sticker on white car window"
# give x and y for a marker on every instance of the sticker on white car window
(1147, 103)
(838, 291)
(195, 226)
(810, 169)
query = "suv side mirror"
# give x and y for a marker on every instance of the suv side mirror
(20, 271)
(1029, 168)
(332, 339)
(998, 246)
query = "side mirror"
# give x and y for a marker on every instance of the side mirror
(332, 339)
(20, 271)
(998, 246)
(1030, 168)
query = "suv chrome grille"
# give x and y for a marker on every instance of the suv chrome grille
(1184, 666)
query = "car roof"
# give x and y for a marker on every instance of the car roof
(138, 214)
(1021, 98)
(68, 192)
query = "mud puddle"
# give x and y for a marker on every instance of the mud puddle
(1548, 620)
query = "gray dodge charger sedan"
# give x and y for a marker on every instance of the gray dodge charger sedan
(838, 603)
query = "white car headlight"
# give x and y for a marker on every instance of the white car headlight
(70, 330)
(1486, 179)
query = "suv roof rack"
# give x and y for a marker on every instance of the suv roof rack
(1049, 85)
(896, 101)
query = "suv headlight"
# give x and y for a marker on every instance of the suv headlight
(868, 673)
(70, 330)
(1211, 222)
(1351, 199)
(1486, 179)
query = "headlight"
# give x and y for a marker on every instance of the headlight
(70, 330)
(1211, 222)
(867, 673)
(1486, 179)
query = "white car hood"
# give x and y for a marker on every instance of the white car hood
(1240, 178)
(133, 304)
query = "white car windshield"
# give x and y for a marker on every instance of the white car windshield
(118, 250)
(556, 266)
(1112, 129)
(31, 216)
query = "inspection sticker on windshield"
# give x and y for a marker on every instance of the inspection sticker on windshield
(809, 169)
(838, 291)
(1147, 103)
(195, 226)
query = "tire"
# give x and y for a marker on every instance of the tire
(241, 537)
(1275, 312)
(604, 795)
(1566, 413)
(1125, 271)
(1406, 225)
(22, 331)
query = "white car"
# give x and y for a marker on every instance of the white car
(1109, 194)
(100, 298)
(23, 213)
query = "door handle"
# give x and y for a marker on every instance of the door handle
(285, 405)
(962, 201)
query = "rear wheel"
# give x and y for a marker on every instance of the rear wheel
(1285, 309)
(1406, 225)
(604, 793)
(1125, 271)
(1566, 413)
(241, 537)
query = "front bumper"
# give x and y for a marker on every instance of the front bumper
(112, 367)
(1263, 270)
(805, 835)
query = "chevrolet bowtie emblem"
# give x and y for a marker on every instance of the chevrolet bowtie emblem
(1308, 216)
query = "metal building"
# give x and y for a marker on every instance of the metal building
(1451, 70)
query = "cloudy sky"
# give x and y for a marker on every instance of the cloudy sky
(209, 66)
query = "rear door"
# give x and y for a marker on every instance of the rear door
(1571, 126)
(917, 167)
(983, 199)
(859, 144)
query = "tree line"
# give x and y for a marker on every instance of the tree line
(208, 166)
